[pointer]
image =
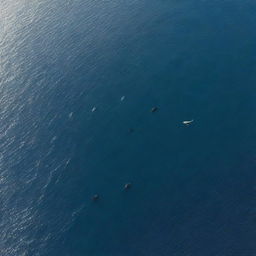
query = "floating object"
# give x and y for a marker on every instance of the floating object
(70, 115)
(154, 109)
(131, 130)
(188, 122)
(122, 98)
(127, 186)
(95, 197)
(53, 139)
(94, 109)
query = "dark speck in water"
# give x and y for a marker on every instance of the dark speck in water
(131, 130)
(127, 186)
(154, 109)
(95, 197)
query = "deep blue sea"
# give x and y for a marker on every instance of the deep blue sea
(78, 80)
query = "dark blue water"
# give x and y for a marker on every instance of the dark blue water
(193, 187)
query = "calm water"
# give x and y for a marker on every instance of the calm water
(193, 188)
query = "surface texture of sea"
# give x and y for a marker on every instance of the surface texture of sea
(193, 187)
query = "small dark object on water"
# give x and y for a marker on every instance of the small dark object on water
(95, 197)
(127, 186)
(131, 130)
(154, 109)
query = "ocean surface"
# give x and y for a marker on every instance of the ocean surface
(67, 133)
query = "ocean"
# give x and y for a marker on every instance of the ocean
(78, 81)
